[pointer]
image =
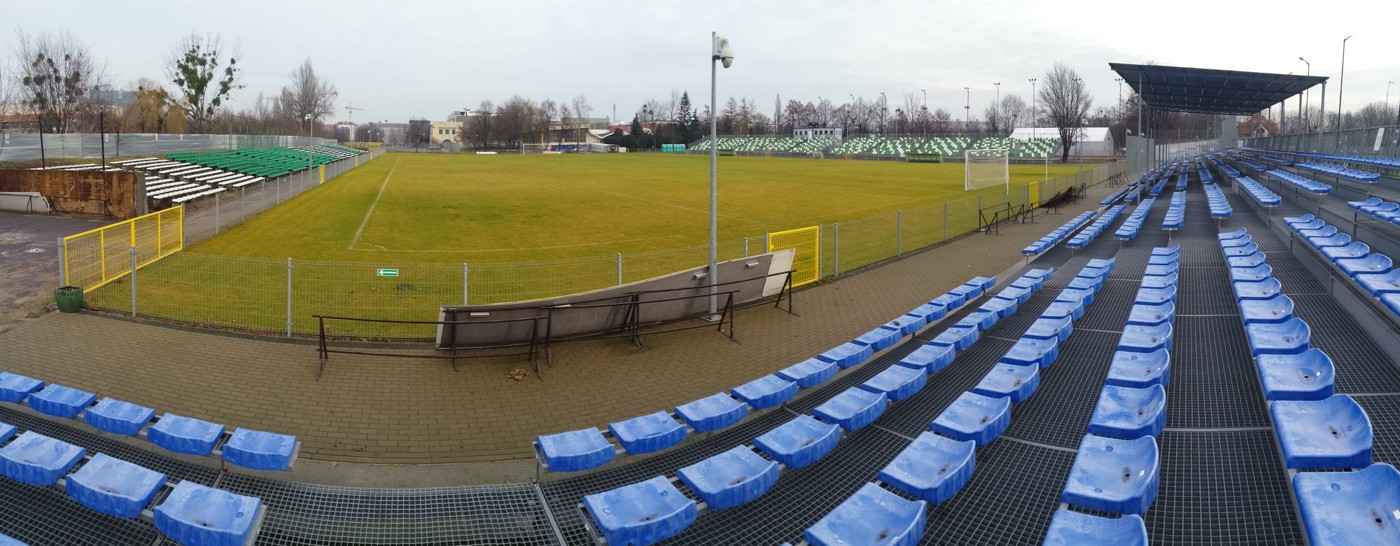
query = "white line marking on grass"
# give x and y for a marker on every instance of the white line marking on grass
(356, 240)
(552, 247)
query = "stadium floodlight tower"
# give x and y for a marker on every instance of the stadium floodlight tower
(719, 51)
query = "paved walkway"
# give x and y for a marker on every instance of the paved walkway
(389, 410)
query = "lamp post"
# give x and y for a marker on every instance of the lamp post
(719, 51)
(967, 110)
(1308, 93)
(308, 152)
(1034, 124)
(1120, 96)
(884, 107)
(1387, 95)
(923, 123)
(1341, 115)
(996, 107)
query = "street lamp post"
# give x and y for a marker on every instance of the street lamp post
(884, 107)
(967, 110)
(923, 123)
(1308, 94)
(996, 107)
(1034, 124)
(719, 51)
(1341, 85)
(308, 152)
(1387, 96)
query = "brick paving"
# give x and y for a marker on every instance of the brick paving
(398, 410)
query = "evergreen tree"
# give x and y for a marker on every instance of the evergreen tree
(690, 126)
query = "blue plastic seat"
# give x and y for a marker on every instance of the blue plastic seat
(771, 390)
(1072, 309)
(1058, 328)
(1014, 381)
(1173, 250)
(6, 432)
(984, 283)
(7, 540)
(1041, 275)
(1246, 261)
(1092, 284)
(185, 434)
(931, 358)
(1346, 508)
(853, 409)
(1373, 264)
(1264, 289)
(1082, 295)
(1113, 475)
(1025, 282)
(641, 513)
(1276, 309)
(958, 337)
(1354, 249)
(966, 292)
(1324, 231)
(1308, 375)
(60, 401)
(113, 486)
(1228, 243)
(1235, 234)
(1070, 528)
(906, 324)
(576, 450)
(1172, 261)
(1380, 283)
(648, 433)
(950, 300)
(847, 354)
(809, 373)
(1159, 281)
(1391, 301)
(1287, 337)
(1368, 202)
(799, 442)
(872, 515)
(1240, 250)
(1029, 351)
(982, 320)
(1251, 274)
(118, 417)
(15, 388)
(1147, 314)
(731, 478)
(1021, 295)
(1160, 270)
(932, 468)
(879, 339)
(1145, 339)
(36, 459)
(260, 450)
(1092, 272)
(1340, 239)
(712, 412)
(930, 311)
(1109, 263)
(897, 382)
(198, 515)
(1155, 296)
(1306, 221)
(974, 417)
(1129, 412)
(1330, 433)
(1000, 306)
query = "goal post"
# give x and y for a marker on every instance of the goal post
(986, 168)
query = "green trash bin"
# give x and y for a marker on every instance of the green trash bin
(69, 298)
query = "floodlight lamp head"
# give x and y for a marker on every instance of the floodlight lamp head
(722, 52)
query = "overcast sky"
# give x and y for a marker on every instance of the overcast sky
(401, 59)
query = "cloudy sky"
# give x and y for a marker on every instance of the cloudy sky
(401, 59)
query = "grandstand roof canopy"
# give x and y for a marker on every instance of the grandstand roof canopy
(1208, 91)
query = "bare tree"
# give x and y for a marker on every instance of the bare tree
(57, 77)
(201, 84)
(480, 125)
(940, 120)
(306, 98)
(1066, 101)
(153, 110)
(581, 108)
(1372, 115)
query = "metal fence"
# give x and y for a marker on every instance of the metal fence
(27, 146)
(280, 296)
(1375, 141)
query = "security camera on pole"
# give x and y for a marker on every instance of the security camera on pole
(719, 51)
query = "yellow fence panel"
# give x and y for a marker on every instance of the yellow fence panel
(1033, 195)
(806, 244)
(99, 256)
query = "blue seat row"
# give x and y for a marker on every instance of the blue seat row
(1264, 196)
(1388, 211)
(254, 449)
(1182, 180)
(589, 448)
(1316, 429)
(1117, 468)
(1226, 169)
(1306, 184)
(1373, 272)
(1176, 212)
(1253, 165)
(1059, 234)
(1219, 205)
(1129, 229)
(1203, 172)
(190, 513)
(1083, 238)
(656, 509)
(1343, 172)
(1382, 162)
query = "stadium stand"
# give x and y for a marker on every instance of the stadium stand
(1058, 234)
(1037, 148)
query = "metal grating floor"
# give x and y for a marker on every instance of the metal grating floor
(1384, 412)
(1004, 503)
(1058, 414)
(1361, 365)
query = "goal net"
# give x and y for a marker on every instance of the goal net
(985, 169)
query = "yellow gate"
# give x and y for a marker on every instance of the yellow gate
(99, 256)
(1033, 195)
(806, 244)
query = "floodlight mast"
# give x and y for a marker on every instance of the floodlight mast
(719, 51)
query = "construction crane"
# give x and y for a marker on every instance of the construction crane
(350, 110)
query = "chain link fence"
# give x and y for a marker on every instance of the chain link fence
(280, 296)
(1375, 141)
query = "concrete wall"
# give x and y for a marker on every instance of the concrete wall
(111, 194)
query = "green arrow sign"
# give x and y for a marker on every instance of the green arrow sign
(386, 272)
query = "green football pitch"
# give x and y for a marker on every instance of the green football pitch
(412, 208)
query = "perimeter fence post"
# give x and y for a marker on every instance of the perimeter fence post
(289, 297)
(62, 267)
(945, 221)
(619, 269)
(746, 247)
(466, 287)
(898, 233)
(836, 248)
(133, 282)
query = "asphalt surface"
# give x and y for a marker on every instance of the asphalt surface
(29, 262)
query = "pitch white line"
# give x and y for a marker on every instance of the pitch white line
(356, 240)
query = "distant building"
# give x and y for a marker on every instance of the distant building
(1257, 126)
(809, 133)
(441, 131)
